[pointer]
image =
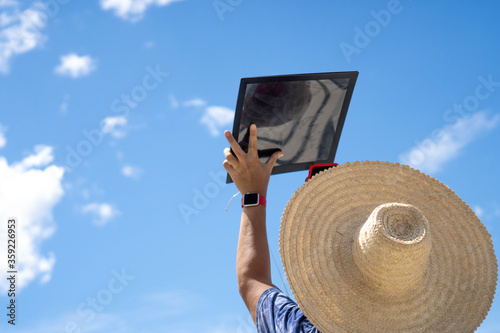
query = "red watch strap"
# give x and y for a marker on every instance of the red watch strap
(262, 201)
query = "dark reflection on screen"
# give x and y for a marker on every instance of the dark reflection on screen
(298, 117)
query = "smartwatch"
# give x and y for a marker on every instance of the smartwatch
(252, 199)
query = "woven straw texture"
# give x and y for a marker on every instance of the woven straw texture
(446, 283)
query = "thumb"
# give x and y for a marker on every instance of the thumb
(272, 160)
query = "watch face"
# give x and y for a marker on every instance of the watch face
(251, 199)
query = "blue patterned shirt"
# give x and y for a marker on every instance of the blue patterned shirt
(277, 313)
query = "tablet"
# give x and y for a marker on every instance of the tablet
(302, 115)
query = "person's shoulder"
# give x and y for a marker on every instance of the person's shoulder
(277, 310)
(268, 296)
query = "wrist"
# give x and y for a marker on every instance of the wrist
(261, 191)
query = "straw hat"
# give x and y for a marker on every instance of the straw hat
(380, 247)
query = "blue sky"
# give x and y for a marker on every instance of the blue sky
(111, 121)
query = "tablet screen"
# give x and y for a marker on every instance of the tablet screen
(301, 115)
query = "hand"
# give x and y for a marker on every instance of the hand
(248, 174)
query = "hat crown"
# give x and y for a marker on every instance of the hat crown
(391, 249)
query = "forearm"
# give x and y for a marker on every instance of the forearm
(253, 268)
(252, 259)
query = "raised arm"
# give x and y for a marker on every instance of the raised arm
(253, 268)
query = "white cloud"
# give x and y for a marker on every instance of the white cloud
(75, 66)
(29, 191)
(216, 117)
(173, 101)
(114, 126)
(43, 157)
(487, 212)
(196, 102)
(446, 143)
(3, 140)
(478, 210)
(102, 212)
(131, 171)
(64, 105)
(8, 3)
(20, 30)
(132, 10)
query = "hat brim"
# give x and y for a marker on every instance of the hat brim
(316, 236)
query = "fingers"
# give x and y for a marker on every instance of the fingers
(240, 154)
(272, 160)
(230, 157)
(252, 141)
(229, 168)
